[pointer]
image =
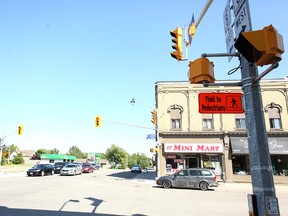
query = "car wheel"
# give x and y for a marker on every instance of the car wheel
(203, 186)
(42, 173)
(74, 173)
(52, 172)
(166, 184)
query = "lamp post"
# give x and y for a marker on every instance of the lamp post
(133, 101)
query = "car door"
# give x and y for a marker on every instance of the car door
(180, 179)
(193, 178)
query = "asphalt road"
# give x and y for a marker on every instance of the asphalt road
(114, 192)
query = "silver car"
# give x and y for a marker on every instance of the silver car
(71, 169)
(190, 178)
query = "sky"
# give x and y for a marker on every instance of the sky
(62, 63)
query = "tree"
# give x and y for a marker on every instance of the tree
(54, 151)
(38, 153)
(75, 151)
(42, 151)
(140, 159)
(18, 159)
(117, 155)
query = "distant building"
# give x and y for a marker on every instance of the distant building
(53, 158)
(190, 139)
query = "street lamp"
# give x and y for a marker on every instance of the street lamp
(133, 101)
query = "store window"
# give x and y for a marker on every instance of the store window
(240, 164)
(213, 161)
(173, 163)
(274, 116)
(175, 112)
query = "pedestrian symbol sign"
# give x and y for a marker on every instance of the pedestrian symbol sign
(220, 103)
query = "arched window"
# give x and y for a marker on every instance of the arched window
(175, 112)
(274, 116)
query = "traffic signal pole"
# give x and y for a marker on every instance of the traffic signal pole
(259, 156)
(264, 195)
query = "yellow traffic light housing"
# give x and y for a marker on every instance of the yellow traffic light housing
(177, 40)
(154, 117)
(98, 121)
(261, 47)
(201, 70)
(20, 129)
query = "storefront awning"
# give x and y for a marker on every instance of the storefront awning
(276, 145)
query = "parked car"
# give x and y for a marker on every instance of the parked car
(59, 165)
(71, 169)
(189, 178)
(136, 168)
(87, 168)
(96, 166)
(41, 170)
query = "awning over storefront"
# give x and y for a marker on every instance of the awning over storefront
(276, 145)
(193, 147)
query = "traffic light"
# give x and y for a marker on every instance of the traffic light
(151, 150)
(201, 70)
(157, 149)
(98, 121)
(177, 40)
(154, 117)
(261, 47)
(20, 129)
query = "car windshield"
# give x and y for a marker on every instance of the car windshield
(58, 164)
(38, 166)
(135, 166)
(71, 165)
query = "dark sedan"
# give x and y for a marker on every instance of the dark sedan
(41, 170)
(59, 165)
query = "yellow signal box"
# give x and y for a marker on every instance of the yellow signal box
(20, 129)
(98, 121)
(262, 47)
(177, 40)
(154, 117)
(201, 70)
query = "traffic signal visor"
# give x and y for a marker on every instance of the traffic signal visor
(201, 70)
(262, 47)
(177, 43)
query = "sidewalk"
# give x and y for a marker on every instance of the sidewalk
(13, 170)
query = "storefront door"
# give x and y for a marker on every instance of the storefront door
(192, 162)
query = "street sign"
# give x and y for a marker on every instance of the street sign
(220, 103)
(236, 5)
(229, 34)
(151, 136)
(242, 21)
(230, 42)
(227, 17)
